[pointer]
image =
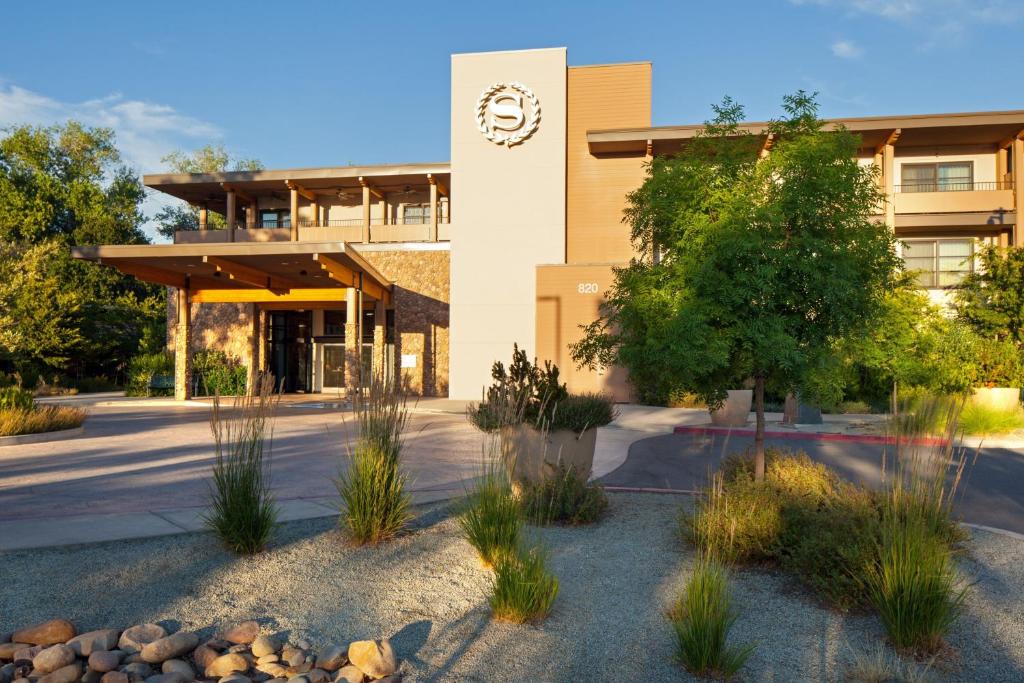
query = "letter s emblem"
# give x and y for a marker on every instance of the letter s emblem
(501, 113)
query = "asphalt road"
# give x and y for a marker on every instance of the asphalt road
(992, 493)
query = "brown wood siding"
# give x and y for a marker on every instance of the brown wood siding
(601, 97)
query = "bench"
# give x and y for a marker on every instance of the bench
(160, 382)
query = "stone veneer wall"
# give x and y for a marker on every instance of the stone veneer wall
(421, 298)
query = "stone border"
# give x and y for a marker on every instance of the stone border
(39, 437)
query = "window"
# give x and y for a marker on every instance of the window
(939, 263)
(334, 324)
(950, 176)
(275, 218)
(416, 214)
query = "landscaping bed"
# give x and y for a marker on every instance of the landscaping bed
(427, 591)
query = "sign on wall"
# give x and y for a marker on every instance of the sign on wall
(507, 113)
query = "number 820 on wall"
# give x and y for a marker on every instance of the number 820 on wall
(587, 288)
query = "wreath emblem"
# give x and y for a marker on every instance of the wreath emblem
(508, 138)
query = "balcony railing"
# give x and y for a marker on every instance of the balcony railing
(344, 222)
(954, 186)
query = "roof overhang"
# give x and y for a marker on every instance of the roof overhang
(919, 130)
(250, 271)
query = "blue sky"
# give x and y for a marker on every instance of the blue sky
(327, 83)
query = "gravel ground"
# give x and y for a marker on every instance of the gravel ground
(428, 592)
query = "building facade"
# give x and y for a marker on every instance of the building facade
(430, 272)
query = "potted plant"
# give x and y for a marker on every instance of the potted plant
(734, 411)
(541, 425)
(1000, 374)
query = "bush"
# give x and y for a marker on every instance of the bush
(531, 394)
(46, 418)
(141, 370)
(215, 372)
(242, 510)
(913, 584)
(490, 519)
(522, 588)
(982, 419)
(563, 498)
(701, 620)
(736, 521)
(881, 666)
(16, 398)
(377, 506)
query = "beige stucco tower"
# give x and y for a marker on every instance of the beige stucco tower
(508, 155)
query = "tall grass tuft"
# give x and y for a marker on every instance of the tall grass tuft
(373, 487)
(981, 419)
(490, 519)
(879, 665)
(563, 497)
(522, 588)
(41, 418)
(702, 618)
(242, 510)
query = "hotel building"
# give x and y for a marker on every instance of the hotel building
(431, 271)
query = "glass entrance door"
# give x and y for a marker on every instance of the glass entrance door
(334, 366)
(291, 357)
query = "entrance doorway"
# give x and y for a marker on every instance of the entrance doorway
(291, 350)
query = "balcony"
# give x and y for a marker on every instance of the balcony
(415, 229)
(953, 197)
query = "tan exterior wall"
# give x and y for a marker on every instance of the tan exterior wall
(951, 202)
(568, 296)
(508, 213)
(600, 97)
(223, 327)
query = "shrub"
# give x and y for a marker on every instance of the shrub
(44, 418)
(16, 398)
(563, 498)
(701, 620)
(141, 370)
(881, 666)
(522, 588)
(490, 519)
(982, 419)
(242, 510)
(215, 372)
(736, 521)
(913, 584)
(372, 487)
(529, 393)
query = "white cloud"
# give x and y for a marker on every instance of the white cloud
(846, 49)
(146, 131)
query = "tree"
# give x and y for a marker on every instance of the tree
(991, 299)
(763, 262)
(206, 159)
(64, 186)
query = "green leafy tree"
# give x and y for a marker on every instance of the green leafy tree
(991, 299)
(763, 262)
(206, 159)
(63, 186)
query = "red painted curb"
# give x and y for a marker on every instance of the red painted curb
(808, 436)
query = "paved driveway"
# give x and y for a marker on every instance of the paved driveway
(993, 493)
(134, 458)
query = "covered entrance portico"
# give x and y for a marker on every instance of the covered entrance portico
(318, 310)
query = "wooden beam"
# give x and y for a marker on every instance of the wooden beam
(261, 296)
(890, 139)
(345, 275)
(251, 276)
(247, 198)
(307, 194)
(373, 190)
(441, 189)
(152, 274)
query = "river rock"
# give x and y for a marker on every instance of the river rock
(28, 653)
(114, 677)
(332, 658)
(47, 633)
(7, 650)
(173, 677)
(179, 666)
(318, 676)
(268, 659)
(65, 674)
(235, 678)
(94, 641)
(294, 657)
(174, 645)
(263, 646)
(227, 664)
(349, 674)
(375, 658)
(242, 633)
(53, 658)
(203, 655)
(137, 637)
(91, 676)
(105, 660)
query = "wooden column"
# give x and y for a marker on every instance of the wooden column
(254, 349)
(433, 210)
(294, 209)
(230, 215)
(366, 211)
(262, 334)
(379, 340)
(204, 218)
(382, 203)
(250, 216)
(1018, 189)
(888, 153)
(1001, 166)
(314, 210)
(182, 346)
(352, 339)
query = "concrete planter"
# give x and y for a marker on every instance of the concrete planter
(1003, 399)
(536, 455)
(735, 411)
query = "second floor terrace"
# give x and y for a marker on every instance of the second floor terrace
(393, 203)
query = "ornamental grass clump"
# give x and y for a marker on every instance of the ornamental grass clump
(563, 497)
(372, 486)
(490, 518)
(242, 510)
(41, 418)
(701, 620)
(522, 588)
